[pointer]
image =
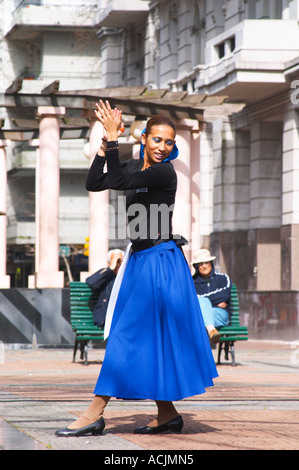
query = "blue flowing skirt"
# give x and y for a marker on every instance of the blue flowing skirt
(158, 346)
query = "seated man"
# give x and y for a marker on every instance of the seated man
(101, 282)
(213, 291)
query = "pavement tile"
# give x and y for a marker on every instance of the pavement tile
(253, 406)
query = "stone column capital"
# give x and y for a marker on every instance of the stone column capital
(51, 111)
(187, 124)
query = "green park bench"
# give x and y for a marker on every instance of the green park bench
(83, 299)
(82, 302)
(233, 331)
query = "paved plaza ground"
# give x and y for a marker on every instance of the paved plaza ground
(253, 406)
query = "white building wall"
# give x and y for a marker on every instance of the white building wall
(290, 169)
(111, 55)
(184, 60)
(242, 179)
(41, 40)
(72, 58)
(134, 47)
(73, 209)
(180, 43)
(231, 181)
(214, 19)
(168, 43)
(265, 175)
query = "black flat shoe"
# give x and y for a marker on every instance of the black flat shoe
(95, 429)
(174, 425)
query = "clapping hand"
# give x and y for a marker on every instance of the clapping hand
(111, 120)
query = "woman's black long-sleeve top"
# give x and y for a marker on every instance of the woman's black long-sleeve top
(150, 195)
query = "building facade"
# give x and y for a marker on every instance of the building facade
(248, 149)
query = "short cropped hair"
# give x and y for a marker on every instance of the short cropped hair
(158, 121)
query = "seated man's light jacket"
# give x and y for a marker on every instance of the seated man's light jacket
(217, 288)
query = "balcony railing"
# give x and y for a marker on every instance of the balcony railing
(56, 3)
(49, 13)
(119, 13)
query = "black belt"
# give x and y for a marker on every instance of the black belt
(139, 245)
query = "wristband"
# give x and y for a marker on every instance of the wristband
(112, 144)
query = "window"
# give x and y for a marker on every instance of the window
(221, 50)
(232, 44)
(226, 47)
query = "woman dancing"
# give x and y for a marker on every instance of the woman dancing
(158, 347)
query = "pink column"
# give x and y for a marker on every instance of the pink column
(183, 208)
(98, 213)
(4, 279)
(31, 279)
(196, 236)
(48, 275)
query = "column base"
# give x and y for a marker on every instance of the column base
(49, 280)
(31, 281)
(4, 282)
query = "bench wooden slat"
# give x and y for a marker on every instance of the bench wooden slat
(82, 302)
(233, 331)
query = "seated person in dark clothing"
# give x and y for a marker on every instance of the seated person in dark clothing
(213, 291)
(102, 282)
